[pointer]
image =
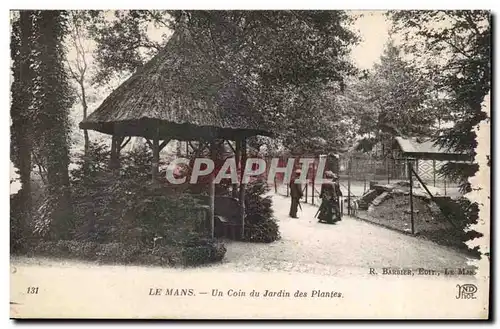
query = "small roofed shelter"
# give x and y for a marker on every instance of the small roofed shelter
(181, 94)
(425, 153)
(426, 149)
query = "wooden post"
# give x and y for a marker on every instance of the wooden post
(405, 168)
(410, 171)
(114, 161)
(388, 171)
(178, 149)
(394, 169)
(156, 155)
(313, 182)
(243, 185)
(434, 171)
(444, 184)
(348, 187)
(287, 187)
(237, 159)
(211, 191)
(307, 188)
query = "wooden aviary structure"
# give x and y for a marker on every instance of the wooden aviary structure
(414, 149)
(181, 94)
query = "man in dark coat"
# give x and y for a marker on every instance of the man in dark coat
(295, 194)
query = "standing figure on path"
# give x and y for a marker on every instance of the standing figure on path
(295, 194)
(338, 194)
(329, 211)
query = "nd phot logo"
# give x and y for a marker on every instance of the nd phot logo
(466, 291)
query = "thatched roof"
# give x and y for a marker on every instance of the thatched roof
(181, 92)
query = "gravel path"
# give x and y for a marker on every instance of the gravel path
(348, 247)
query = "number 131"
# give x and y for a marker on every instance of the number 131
(32, 290)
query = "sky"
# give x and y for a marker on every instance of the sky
(373, 28)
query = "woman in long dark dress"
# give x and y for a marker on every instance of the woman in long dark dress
(329, 205)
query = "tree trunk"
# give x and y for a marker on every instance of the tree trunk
(114, 159)
(21, 101)
(55, 104)
(85, 131)
(25, 143)
(85, 110)
(179, 148)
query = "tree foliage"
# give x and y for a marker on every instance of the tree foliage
(399, 92)
(392, 99)
(123, 41)
(454, 46)
(286, 63)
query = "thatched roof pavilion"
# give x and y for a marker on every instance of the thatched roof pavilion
(182, 94)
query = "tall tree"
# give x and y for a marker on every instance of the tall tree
(55, 98)
(456, 47)
(318, 120)
(79, 68)
(396, 97)
(22, 101)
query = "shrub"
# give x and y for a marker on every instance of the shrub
(125, 205)
(122, 217)
(44, 248)
(259, 229)
(23, 223)
(464, 214)
(206, 251)
(18, 232)
(42, 225)
(260, 224)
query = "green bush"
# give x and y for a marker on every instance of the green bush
(125, 206)
(42, 222)
(23, 224)
(207, 251)
(18, 231)
(464, 214)
(44, 248)
(260, 224)
(259, 229)
(121, 217)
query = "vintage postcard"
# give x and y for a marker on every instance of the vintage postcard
(257, 164)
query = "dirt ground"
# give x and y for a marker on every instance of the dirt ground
(395, 212)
